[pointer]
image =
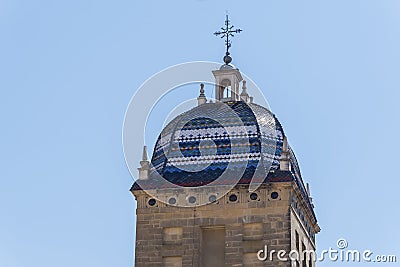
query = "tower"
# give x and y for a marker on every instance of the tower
(208, 214)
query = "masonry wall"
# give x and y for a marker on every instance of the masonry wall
(300, 240)
(172, 236)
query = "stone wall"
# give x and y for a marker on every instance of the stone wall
(172, 236)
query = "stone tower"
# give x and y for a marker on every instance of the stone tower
(223, 187)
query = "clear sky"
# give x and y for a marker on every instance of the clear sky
(329, 70)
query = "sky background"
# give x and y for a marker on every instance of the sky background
(329, 70)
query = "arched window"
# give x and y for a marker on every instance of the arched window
(226, 89)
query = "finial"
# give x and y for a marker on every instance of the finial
(202, 97)
(144, 169)
(144, 155)
(202, 89)
(244, 95)
(227, 58)
(227, 32)
(285, 157)
(244, 87)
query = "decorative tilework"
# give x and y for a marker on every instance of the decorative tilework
(196, 147)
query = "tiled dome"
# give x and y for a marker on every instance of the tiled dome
(196, 147)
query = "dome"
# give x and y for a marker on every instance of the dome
(226, 67)
(197, 146)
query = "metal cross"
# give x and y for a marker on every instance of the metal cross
(227, 32)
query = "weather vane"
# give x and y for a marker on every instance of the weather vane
(227, 32)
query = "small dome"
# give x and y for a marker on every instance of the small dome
(226, 67)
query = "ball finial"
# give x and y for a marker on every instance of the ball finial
(227, 58)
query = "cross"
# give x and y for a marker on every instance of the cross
(227, 32)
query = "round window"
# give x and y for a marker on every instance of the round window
(192, 199)
(152, 202)
(232, 198)
(212, 198)
(253, 196)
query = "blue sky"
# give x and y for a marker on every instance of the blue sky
(329, 70)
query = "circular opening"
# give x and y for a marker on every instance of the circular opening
(212, 198)
(152, 202)
(253, 196)
(232, 198)
(192, 199)
(172, 201)
(274, 195)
